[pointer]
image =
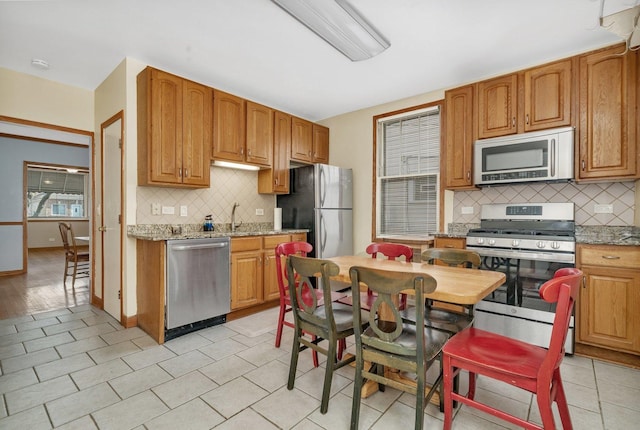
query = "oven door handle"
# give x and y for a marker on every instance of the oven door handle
(525, 255)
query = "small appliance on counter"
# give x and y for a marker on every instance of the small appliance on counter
(208, 223)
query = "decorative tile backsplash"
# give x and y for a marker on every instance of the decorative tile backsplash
(585, 196)
(227, 187)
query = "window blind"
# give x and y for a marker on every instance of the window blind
(408, 174)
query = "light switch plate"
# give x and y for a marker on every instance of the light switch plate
(183, 210)
(168, 210)
(155, 208)
(466, 210)
(259, 211)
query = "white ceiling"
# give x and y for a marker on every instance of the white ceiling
(254, 49)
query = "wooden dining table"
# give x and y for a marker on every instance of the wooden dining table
(455, 285)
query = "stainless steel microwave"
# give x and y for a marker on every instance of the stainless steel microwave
(528, 157)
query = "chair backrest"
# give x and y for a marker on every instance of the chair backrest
(390, 250)
(388, 329)
(66, 232)
(562, 290)
(284, 250)
(308, 315)
(452, 257)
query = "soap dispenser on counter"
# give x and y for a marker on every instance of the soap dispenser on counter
(208, 223)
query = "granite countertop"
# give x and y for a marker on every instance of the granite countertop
(194, 231)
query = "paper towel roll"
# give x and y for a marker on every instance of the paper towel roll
(277, 219)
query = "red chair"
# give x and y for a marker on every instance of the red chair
(296, 248)
(391, 251)
(523, 365)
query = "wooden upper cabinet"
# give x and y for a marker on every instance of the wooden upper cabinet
(259, 134)
(301, 140)
(548, 96)
(276, 179)
(196, 133)
(497, 106)
(459, 137)
(320, 144)
(608, 104)
(174, 123)
(229, 126)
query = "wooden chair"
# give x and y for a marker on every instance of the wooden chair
(75, 261)
(389, 341)
(282, 251)
(331, 321)
(523, 365)
(391, 251)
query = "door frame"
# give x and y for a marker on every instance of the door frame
(103, 126)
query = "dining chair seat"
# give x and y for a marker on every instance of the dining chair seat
(526, 366)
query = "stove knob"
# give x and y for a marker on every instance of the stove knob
(541, 244)
(480, 240)
(555, 245)
(492, 241)
(515, 242)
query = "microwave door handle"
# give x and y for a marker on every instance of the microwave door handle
(553, 158)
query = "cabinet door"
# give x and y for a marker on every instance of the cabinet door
(547, 96)
(246, 279)
(610, 308)
(320, 144)
(196, 142)
(450, 242)
(259, 134)
(271, 290)
(301, 140)
(276, 179)
(229, 125)
(497, 106)
(165, 139)
(608, 115)
(459, 135)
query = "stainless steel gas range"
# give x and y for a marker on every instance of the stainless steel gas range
(528, 242)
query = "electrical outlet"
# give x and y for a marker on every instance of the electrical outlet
(466, 210)
(183, 210)
(603, 209)
(259, 211)
(168, 210)
(155, 208)
(52, 239)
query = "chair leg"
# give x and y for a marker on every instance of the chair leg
(280, 325)
(446, 394)
(342, 345)
(357, 392)
(472, 386)
(314, 353)
(295, 352)
(328, 375)
(420, 400)
(75, 271)
(544, 405)
(561, 400)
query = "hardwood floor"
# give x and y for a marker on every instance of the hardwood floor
(41, 289)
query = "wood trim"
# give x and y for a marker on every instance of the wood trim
(440, 104)
(129, 321)
(38, 139)
(45, 125)
(608, 355)
(236, 314)
(95, 300)
(11, 223)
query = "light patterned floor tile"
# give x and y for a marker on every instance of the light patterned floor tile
(180, 390)
(234, 396)
(130, 412)
(196, 412)
(77, 405)
(64, 366)
(38, 394)
(139, 381)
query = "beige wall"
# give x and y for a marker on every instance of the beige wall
(351, 145)
(46, 234)
(36, 99)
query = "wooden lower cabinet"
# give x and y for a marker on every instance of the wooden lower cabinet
(608, 312)
(253, 269)
(450, 242)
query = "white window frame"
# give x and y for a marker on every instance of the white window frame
(433, 173)
(68, 213)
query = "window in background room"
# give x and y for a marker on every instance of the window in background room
(56, 192)
(407, 174)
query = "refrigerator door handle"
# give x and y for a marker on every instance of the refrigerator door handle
(323, 186)
(323, 227)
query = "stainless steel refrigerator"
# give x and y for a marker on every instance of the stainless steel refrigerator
(320, 200)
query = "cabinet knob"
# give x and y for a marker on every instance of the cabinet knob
(180, 172)
(527, 119)
(611, 257)
(241, 151)
(468, 175)
(513, 121)
(186, 173)
(583, 165)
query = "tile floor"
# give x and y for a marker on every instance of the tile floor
(78, 368)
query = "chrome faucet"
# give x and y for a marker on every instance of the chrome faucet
(233, 218)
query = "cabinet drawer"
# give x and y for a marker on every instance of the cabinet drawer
(270, 242)
(450, 242)
(609, 256)
(246, 243)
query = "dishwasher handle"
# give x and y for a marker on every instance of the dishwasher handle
(202, 246)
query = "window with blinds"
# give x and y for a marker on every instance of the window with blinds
(408, 174)
(56, 193)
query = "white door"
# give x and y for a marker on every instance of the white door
(111, 210)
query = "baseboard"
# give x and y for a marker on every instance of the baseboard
(128, 322)
(608, 355)
(97, 302)
(252, 310)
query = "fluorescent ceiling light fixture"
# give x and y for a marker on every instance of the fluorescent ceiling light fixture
(625, 24)
(234, 165)
(339, 24)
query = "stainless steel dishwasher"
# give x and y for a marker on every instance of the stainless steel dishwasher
(198, 284)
